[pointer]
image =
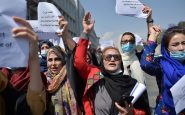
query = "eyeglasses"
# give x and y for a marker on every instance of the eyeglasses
(109, 57)
(126, 41)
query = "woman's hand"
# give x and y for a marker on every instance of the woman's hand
(25, 31)
(147, 10)
(63, 24)
(127, 110)
(88, 24)
(154, 33)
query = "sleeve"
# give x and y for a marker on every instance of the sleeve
(139, 112)
(3, 81)
(36, 101)
(80, 63)
(148, 63)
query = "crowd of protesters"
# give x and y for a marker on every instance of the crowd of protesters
(79, 80)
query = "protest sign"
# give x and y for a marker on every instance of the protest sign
(7, 10)
(178, 93)
(48, 17)
(137, 91)
(13, 52)
(130, 8)
(42, 35)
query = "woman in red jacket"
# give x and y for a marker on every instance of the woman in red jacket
(105, 85)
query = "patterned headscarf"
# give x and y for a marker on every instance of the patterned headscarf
(63, 98)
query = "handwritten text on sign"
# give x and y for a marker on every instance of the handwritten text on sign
(48, 16)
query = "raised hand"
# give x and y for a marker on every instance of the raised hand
(88, 23)
(147, 10)
(154, 33)
(63, 25)
(25, 31)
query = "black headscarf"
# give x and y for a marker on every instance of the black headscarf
(116, 86)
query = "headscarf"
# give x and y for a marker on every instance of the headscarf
(55, 80)
(131, 60)
(63, 98)
(116, 86)
(116, 83)
(172, 69)
(42, 59)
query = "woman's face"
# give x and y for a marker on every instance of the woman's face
(127, 38)
(111, 60)
(177, 43)
(54, 63)
(44, 47)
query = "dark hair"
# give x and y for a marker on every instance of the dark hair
(131, 34)
(50, 44)
(170, 32)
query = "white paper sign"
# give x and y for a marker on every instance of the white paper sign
(106, 43)
(48, 17)
(42, 35)
(130, 8)
(13, 52)
(7, 10)
(76, 39)
(178, 93)
(137, 91)
(138, 39)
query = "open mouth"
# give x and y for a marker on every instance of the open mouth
(112, 64)
(54, 69)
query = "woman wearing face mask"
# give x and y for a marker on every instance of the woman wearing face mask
(105, 85)
(171, 65)
(127, 48)
(44, 47)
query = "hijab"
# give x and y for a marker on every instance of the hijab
(173, 70)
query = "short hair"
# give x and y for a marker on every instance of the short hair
(110, 47)
(103, 52)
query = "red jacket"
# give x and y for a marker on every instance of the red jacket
(90, 74)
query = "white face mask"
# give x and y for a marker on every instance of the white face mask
(44, 53)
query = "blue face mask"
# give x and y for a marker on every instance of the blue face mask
(128, 47)
(178, 55)
(44, 53)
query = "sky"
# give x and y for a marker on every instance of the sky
(109, 25)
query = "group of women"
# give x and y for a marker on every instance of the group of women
(73, 85)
